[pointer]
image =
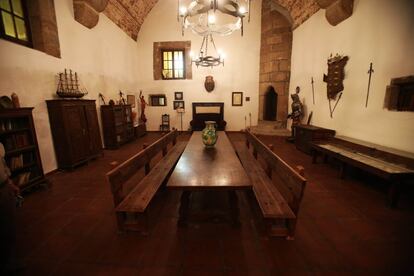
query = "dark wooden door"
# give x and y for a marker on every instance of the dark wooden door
(77, 132)
(95, 143)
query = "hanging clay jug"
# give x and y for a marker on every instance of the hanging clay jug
(209, 134)
(209, 83)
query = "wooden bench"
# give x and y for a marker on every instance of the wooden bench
(277, 187)
(131, 205)
(396, 167)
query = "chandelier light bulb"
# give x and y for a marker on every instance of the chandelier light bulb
(183, 11)
(242, 10)
(211, 19)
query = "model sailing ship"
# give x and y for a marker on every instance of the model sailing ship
(69, 85)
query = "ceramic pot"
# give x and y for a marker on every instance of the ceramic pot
(209, 134)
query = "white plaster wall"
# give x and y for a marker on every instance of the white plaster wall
(104, 57)
(379, 31)
(240, 72)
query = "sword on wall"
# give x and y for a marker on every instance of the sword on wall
(370, 71)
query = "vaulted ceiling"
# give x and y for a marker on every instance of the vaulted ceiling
(130, 14)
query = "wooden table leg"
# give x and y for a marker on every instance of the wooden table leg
(234, 208)
(393, 194)
(184, 207)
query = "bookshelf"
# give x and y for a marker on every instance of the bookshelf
(18, 135)
(117, 124)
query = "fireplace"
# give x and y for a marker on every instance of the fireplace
(270, 104)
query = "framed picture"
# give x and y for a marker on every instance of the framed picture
(178, 96)
(131, 100)
(237, 99)
(247, 99)
(178, 104)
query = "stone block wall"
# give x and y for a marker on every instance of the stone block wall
(275, 53)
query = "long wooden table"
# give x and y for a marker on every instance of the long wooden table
(203, 169)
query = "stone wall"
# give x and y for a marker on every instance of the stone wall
(275, 53)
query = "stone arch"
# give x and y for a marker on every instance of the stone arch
(275, 54)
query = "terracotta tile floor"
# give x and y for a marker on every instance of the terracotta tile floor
(344, 228)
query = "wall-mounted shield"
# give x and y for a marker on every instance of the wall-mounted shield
(209, 83)
(336, 75)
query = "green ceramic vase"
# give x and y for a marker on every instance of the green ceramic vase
(209, 134)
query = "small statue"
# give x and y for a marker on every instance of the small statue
(143, 104)
(15, 100)
(297, 112)
(121, 98)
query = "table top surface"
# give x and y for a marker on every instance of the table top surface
(201, 168)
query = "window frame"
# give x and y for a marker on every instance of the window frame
(163, 50)
(25, 19)
(154, 99)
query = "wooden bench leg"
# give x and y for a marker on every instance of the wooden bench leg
(276, 227)
(291, 224)
(393, 194)
(120, 219)
(325, 158)
(234, 208)
(342, 170)
(314, 156)
(144, 227)
(184, 208)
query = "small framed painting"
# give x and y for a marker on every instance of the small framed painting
(178, 96)
(131, 100)
(178, 104)
(237, 99)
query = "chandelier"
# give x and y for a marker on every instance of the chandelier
(200, 16)
(203, 58)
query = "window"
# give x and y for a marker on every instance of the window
(399, 95)
(14, 21)
(170, 60)
(173, 64)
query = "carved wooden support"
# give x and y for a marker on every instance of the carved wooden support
(87, 12)
(325, 3)
(97, 5)
(339, 11)
(336, 10)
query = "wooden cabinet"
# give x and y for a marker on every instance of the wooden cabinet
(75, 130)
(117, 125)
(18, 135)
(305, 134)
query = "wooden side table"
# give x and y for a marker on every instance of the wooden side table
(306, 134)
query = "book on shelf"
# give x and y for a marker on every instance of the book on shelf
(22, 178)
(16, 141)
(16, 162)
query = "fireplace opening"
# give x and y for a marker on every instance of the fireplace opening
(270, 104)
